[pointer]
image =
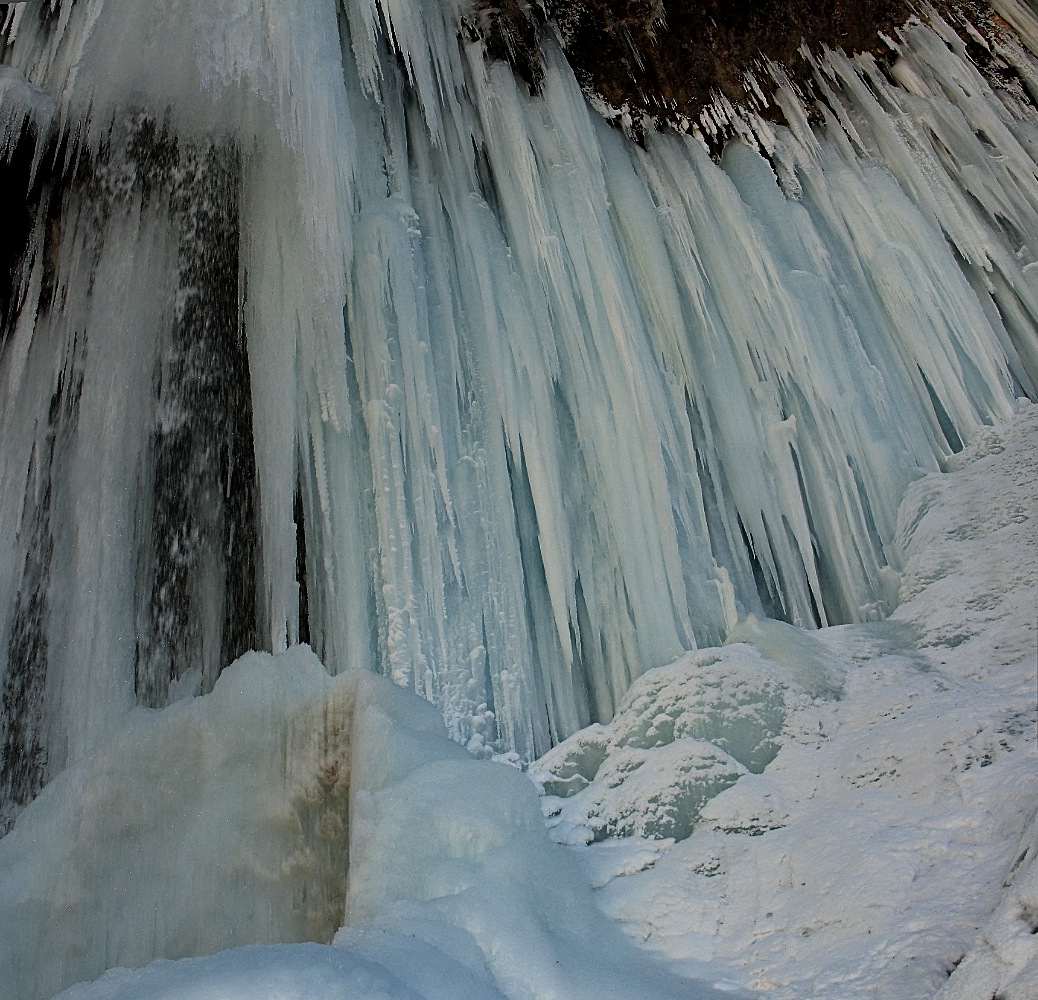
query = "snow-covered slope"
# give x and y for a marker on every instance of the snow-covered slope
(899, 810)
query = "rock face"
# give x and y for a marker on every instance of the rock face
(670, 58)
(666, 57)
(668, 61)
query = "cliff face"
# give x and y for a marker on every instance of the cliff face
(331, 332)
(666, 60)
(321, 328)
(671, 56)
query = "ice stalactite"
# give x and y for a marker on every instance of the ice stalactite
(356, 340)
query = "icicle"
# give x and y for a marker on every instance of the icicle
(532, 408)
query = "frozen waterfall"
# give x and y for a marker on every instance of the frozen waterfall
(326, 329)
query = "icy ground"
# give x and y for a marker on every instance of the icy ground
(899, 810)
(842, 814)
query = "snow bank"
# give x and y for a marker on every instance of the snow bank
(682, 734)
(300, 972)
(1004, 960)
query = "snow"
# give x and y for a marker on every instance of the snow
(1003, 961)
(891, 839)
(302, 972)
(270, 811)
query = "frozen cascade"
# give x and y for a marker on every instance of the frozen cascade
(326, 329)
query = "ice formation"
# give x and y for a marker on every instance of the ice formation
(682, 734)
(327, 330)
(889, 848)
(270, 811)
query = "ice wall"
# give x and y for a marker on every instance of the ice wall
(327, 329)
(218, 822)
(265, 812)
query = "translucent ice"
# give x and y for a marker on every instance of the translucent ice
(481, 395)
(276, 808)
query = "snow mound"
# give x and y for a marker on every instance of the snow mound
(683, 734)
(1004, 961)
(299, 972)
